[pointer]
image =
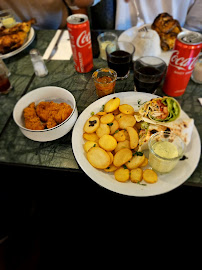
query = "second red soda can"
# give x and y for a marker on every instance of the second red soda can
(185, 53)
(79, 32)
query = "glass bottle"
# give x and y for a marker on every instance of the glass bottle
(40, 68)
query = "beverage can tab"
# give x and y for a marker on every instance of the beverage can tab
(191, 38)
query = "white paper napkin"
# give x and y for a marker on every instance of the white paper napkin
(64, 51)
(200, 100)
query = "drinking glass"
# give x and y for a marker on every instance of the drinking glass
(104, 80)
(119, 58)
(7, 18)
(105, 39)
(5, 85)
(148, 73)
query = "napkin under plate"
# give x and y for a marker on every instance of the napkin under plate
(64, 51)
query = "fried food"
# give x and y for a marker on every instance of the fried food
(112, 141)
(32, 121)
(46, 114)
(168, 29)
(14, 37)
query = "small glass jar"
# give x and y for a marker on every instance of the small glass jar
(197, 72)
(165, 150)
(40, 68)
(105, 39)
(7, 18)
(104, 80)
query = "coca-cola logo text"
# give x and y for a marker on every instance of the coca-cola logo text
(83, 39)
(182, 63)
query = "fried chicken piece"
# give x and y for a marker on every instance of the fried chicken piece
(53, 113)
(42, 110)
(51, 123)
(19, 27)
(168, 29)
(32, 121)
(64, 112)
(11, 42)
(14, 37)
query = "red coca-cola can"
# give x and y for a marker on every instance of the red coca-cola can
(185, 54)
(79, 32)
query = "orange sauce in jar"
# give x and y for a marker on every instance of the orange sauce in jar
(104, 86)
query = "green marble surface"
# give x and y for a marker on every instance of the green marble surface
(15, 148)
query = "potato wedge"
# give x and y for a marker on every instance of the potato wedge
(88, 145)
(112, 105)
(122, 156)
(135, 162)
(107, 118)
(92, 124)
(98, 158)
(150, 176)
(126, 121)
(136, 175)
(90, 137)
(121, 174)
(108, 142)
(134, 138)
(103, 129)
(126, 108)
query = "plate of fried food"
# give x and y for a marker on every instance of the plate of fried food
(46, 113)
(110, 143)
(15, 39)
(156, 39)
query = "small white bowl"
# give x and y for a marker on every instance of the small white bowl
(48, 93)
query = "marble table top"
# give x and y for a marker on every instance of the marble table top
(16, 149)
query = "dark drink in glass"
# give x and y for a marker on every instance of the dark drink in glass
(5, 85)
(148, 73)
(119, 58)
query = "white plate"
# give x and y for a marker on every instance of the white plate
(165, 182)
(131, 33)
(31, 37)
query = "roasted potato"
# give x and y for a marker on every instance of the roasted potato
(107, 118)
(108, 142)
(135, 162)
(112, 105)
(88, 145)
(103, 129)
(122, 174)
(126, 121)
(90, 137)
(150, 176)
(98, 158)
(134, 138)
(122, 156)
(136, 175)
(92, 124)
(126, 109)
